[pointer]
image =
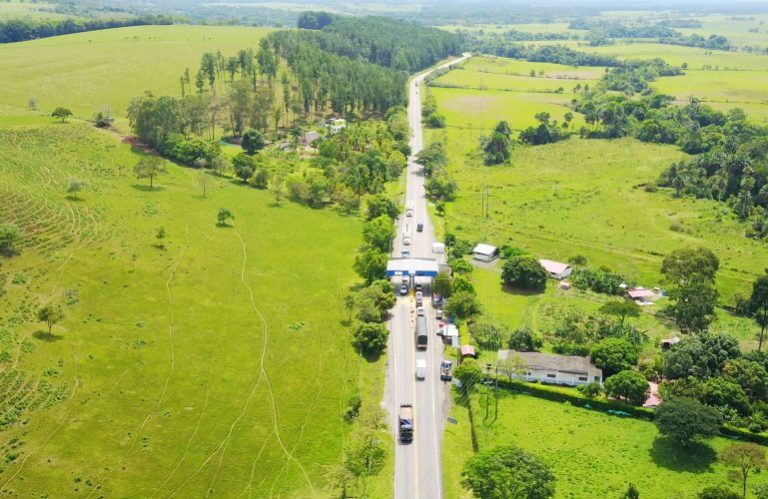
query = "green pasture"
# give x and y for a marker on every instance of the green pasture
(587, 197)
(740, 30)
(473, 111)
(87, 72)
(541, 311)
(506, 66)
(591, 454)
(696, 58)
(477, 80)
(211, 362)
(42, 10)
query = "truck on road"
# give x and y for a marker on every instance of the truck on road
(421, 333)
(405, 419)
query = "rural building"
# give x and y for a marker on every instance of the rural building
(468, 351)
(570, 370)
(556, 270)
(654, 399)
(310, 137)
(641, 295)
(485, 252)
(667, 343)
(335, 125)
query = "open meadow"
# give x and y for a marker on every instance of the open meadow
(592, 454)
(209, 361)
(576, 197)
(87, 72)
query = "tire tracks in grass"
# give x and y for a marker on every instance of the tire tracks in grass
(55, 431)
(253, 466)
(262, 374)
(191, 438)
(160, 400)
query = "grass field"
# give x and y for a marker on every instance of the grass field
(42, 10)
(582, 197)
(88, 71)
(591, 454)
(211, 366)
(494, 89)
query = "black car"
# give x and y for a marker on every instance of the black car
(419, 227)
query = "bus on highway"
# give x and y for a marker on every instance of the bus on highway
(421, 332)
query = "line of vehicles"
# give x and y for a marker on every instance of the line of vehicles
(406, 421)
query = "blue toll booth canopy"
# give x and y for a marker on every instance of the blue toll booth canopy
(427, 267)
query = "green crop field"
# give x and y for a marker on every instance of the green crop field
(591, 454)
(211, 362)
(88, 71)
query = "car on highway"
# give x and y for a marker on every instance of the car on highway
(420, 311)
(421, 368)
(405, 253)
(403, 290)
(406, 241)
(419, 227)
(419, 286)
(439, 313)
(445, 370)
(440, 328)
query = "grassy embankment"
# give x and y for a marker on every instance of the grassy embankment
(211, 360)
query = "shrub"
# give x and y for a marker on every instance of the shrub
(524, 273)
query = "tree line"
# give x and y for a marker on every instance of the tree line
(18, 30)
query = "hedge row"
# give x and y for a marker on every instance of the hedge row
(562, 394)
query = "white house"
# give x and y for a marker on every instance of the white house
(485, 252)
(336, 124)
(556, 270)
(570, 370)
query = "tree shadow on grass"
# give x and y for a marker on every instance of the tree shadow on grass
(73, 198)
(518, 291)
(146, 188)
(46, 336)
(695, 458)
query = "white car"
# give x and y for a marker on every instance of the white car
(439, 313)
(420, 311)
(421, 368)
(406, 241)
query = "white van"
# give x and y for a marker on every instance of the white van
(421, 368)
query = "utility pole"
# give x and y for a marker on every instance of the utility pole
(487, 388)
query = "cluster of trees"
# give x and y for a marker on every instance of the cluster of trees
(429, 113)
(368, 309)
(175, 127)
(364, 456)
(9, 239)
(548, 131)
(604, 32)
(558, 54)
(506, 472)
(378, 231)
(389, 43)
(575, 333)
(728, 166)
(524, 272)
(601, 280)
(440, 186)
(497, 147)
(691, 273)
(18, 30)
(710, 369)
